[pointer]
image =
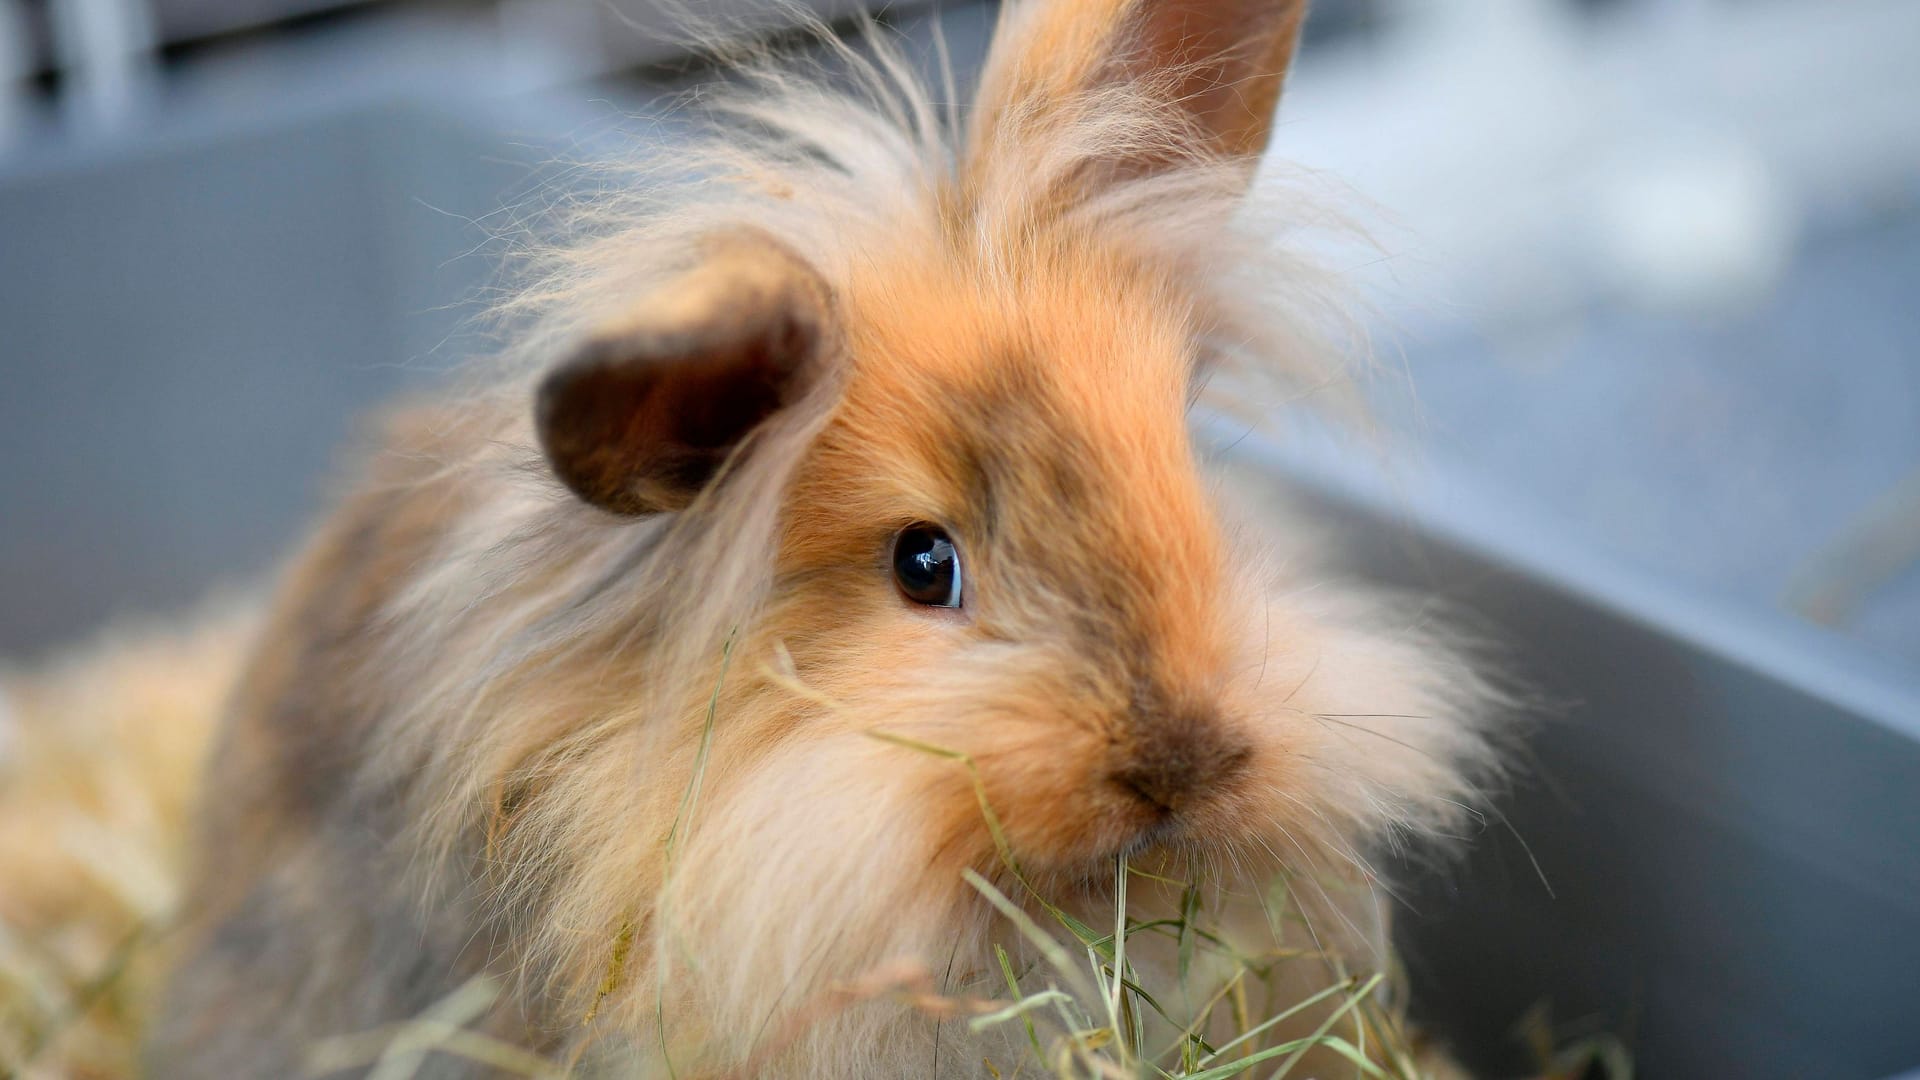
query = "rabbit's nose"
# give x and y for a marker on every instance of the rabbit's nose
(1170, 764)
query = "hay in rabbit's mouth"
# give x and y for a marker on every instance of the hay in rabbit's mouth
(1082, 1001)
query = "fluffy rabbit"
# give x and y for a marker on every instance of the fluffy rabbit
(832, 563)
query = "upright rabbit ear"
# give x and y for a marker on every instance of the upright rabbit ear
(641, 415)
(1213, 66)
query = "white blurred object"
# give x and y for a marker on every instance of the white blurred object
(1691, 224)
(104, 49)
(1533, 157)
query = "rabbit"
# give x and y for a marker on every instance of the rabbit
(825, 592)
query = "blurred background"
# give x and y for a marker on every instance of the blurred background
(1645, 281)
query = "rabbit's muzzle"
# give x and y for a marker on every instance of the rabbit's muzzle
(1171, 761)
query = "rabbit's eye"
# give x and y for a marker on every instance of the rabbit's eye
(926, 566)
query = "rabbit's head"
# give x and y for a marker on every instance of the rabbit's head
(885, 552)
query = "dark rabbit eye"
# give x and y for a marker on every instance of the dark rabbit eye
(926, 566)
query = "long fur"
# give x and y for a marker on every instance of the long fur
(677, 783)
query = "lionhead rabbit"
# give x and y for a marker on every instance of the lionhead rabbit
(832, 601)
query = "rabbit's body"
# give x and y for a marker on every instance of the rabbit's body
(611, 681)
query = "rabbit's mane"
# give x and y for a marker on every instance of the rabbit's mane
(532, 758)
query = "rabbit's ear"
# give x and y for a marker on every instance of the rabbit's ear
(640, 416)
(1214, 67)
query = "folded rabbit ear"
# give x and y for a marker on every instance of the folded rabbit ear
(641, 415)
(1212, 68)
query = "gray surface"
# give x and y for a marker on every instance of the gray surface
(187, 331)
(1724, 452)
(1710, 849)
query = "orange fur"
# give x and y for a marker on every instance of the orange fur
(677, 779)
